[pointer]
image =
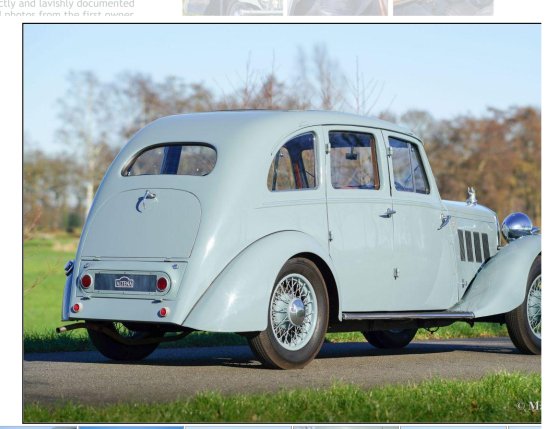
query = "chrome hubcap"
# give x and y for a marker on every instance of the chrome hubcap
(533, 307)
(297, 312)
(293, 311)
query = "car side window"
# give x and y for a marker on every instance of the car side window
(353, 160)
(294, 166)
(408, 169)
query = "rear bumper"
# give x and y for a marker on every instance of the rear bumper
(124, 310)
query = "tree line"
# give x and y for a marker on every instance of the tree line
(498, 153)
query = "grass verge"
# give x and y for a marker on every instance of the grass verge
(502, 397)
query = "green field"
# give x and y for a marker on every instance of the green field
(44, 279)
(495, 398)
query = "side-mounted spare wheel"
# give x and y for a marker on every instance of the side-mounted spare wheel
(297, 317)
(109, 346)
(390, 339)
(524, 323)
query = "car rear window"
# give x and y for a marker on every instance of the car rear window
(179, 159)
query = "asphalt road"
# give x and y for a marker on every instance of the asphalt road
(169, 374)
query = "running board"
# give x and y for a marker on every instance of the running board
(410, 315)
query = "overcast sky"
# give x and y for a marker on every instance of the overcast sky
(447, 69)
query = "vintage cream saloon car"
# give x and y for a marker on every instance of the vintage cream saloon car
(282, 226)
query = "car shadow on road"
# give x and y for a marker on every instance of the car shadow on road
(241, 356)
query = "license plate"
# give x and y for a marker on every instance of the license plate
(125, 282)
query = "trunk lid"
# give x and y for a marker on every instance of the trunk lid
(153, 223)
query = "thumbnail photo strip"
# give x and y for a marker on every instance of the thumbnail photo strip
(337, 8)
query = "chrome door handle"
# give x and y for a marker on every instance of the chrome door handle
(444, 221)
(147, 196)
(388, 213)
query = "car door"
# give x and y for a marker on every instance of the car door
(424, 259)
(361, 228)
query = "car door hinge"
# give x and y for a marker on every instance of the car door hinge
(464, 284)
(389, 151)
(327, 148)
(330, 236)
(396, 273)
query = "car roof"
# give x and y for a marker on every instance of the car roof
(245, 130)
(285, 119)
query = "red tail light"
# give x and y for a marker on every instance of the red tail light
(86, 281)
(164, 311)
(162, 284)
(77, 307)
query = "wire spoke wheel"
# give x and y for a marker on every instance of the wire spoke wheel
(533, 307)
(298, 314)
(293, 312)
(524, 323)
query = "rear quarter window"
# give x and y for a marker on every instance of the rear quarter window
(177, 159)
(294, 165)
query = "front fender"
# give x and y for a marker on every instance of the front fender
(238, 299)
(500, 286)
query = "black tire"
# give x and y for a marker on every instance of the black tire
(521, 333)
(391, 339)
(115, 350)
(267, 347)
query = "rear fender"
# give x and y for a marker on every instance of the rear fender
(500, 285)
(238, 299)
(66, 299)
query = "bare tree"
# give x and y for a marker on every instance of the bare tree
(270, 89)
(328, 79)
(387, 115)
(421, 122)
(302, 89)
(84, 115)
(47, 184)
(365, 93)
(140, 100)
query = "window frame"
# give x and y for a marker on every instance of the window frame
(129, 164)
(317, 180)
(375, 160)
(424, 169)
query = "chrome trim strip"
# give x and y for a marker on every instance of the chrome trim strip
(409, 315)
